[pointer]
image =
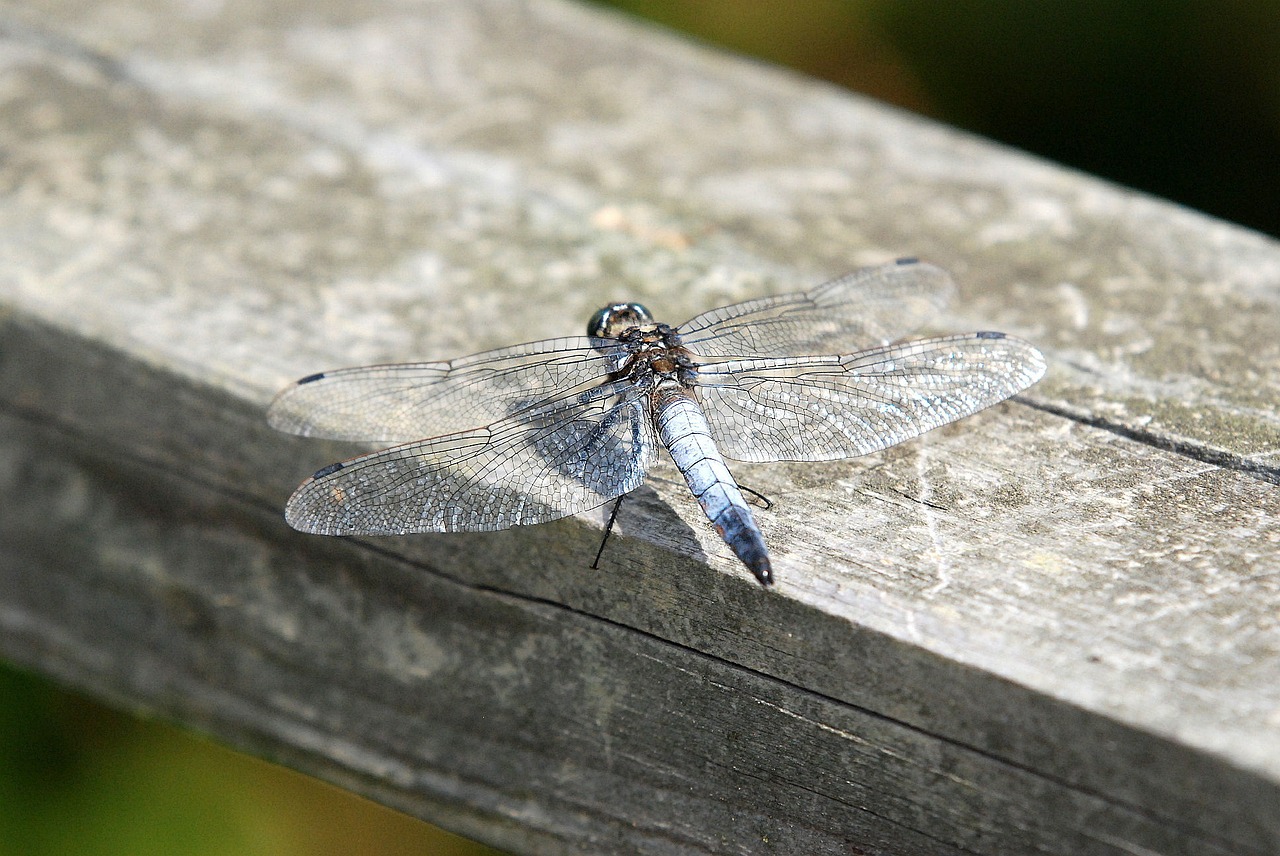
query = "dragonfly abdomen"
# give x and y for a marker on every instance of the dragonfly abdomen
(683, 429)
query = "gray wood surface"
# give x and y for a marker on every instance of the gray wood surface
(1049, 628)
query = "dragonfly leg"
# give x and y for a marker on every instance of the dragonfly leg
(608, 527)
(766, 502)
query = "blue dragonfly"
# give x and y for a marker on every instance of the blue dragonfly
(535, 432)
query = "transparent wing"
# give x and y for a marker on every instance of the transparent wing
(407, 401)
(824, 408)
(866, 309)
(568, 454)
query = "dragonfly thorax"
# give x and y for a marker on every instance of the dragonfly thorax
(655, 354)
(617, 318)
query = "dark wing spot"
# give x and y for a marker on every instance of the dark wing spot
(907, 260)
(327, 471)
(989, 334)
(310, 378)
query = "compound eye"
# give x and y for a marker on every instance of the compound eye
(599, 321)
(617, 318)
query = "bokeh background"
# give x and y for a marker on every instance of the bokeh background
(80, 779)
(1179, 98)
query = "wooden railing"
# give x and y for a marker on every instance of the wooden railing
(1049, 628)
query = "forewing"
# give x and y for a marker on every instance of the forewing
(824, 408)
(568, 454)
(868, 308)
(408, 401)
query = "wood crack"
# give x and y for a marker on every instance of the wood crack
(1185, 448)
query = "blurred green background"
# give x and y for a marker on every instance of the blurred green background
(80, 779)
(1180, 98)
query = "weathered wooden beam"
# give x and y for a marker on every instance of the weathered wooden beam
(1049, 628)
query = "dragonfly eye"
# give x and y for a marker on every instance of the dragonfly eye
(617, 318)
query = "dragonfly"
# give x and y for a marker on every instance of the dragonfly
(531, 433)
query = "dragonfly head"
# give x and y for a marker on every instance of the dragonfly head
(617, 318)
